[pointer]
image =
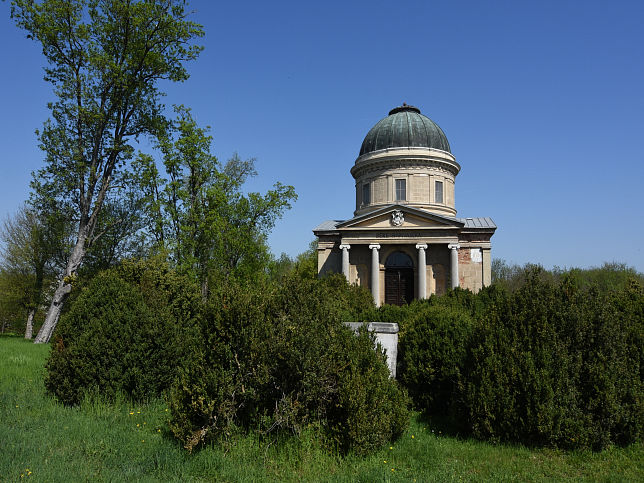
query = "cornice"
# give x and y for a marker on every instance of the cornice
(414, 158)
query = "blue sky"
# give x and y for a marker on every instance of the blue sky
(542, 103)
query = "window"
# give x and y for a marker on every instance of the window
(401, 190)
(438, 192)
(366, 193)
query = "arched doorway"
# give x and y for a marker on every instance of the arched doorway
(399, 279)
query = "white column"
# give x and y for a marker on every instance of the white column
(345, 260)
(375, 273)
(454, 263)
(422, 270)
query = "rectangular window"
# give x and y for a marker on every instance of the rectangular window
(401, 189)
(438, 192)
(366, 194)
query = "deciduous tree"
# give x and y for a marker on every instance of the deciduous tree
(105, 59)
(200, 214)
(32, 247)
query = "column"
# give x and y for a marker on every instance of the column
(422, 271)
(375, 273)
(345, 260)
(454, 263)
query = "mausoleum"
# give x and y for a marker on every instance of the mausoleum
(405, 240)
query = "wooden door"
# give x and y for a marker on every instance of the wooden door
(399, 285)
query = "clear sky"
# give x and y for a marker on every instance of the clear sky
(542, 103)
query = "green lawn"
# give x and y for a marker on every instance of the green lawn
(42, 440)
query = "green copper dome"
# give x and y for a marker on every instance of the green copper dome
(404, 127)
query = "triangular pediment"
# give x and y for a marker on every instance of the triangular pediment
(398, 216)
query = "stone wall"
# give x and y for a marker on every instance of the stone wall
(470, 268)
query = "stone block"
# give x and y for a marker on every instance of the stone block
(386, 335)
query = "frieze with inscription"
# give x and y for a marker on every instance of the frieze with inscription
(390, 234)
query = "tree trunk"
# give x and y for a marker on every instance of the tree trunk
(29, 329)
(63, 290)
(204, 289)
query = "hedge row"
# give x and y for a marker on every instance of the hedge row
(264, 357)
(279, 361)
(548, 364)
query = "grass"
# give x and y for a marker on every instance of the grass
(45, 441)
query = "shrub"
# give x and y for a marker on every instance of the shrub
(556, 361)
(280, 360)
(122, 334)
(556, 365)
(432, 359)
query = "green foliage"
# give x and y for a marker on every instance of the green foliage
(432, 357)
(200, 213)
(12, 311)
(119, 441)
(124, 333)
(390, 313)
(610, 276)
(104, 60)
(551, 359)
(556, 365)
(32, 243)
(279, 360)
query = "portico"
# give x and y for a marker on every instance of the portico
(404, 241)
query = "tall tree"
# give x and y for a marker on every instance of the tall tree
(105, 59)
(200, 214)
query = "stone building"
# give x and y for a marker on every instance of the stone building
(404, 240)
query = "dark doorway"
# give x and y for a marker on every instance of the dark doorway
(399, 279)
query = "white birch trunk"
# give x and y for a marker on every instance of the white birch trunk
(29, 329)
(63, 290)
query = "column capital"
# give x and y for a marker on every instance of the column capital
(453, 246)
(421, 246)
(374, 245)
(345, 245)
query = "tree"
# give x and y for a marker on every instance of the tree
(200, 214)
(33, 243)
(118, 231)
(105, 60)
(10, 306)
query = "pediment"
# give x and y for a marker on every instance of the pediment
(397, 216)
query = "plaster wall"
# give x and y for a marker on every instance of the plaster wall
(419, 167)
(329, 256)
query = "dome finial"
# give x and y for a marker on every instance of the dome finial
(404, 107)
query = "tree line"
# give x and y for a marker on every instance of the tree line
(97, 199)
